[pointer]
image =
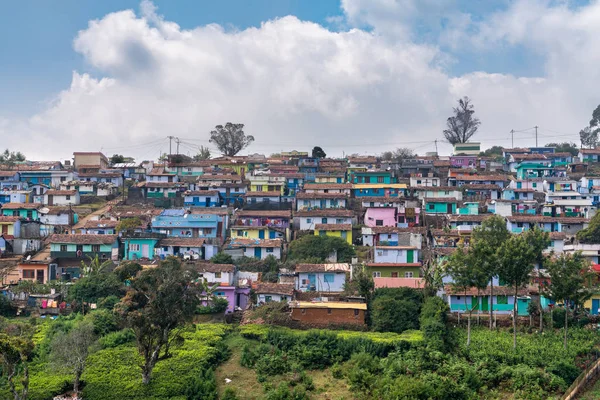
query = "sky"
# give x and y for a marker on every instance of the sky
(350, 76)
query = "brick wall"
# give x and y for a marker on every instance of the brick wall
(321, 316)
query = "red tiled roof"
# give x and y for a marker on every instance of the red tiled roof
(374, 265)
(319, 186)
(264, 213)
(263, 194)
(236, 242)
(182, 242)
(275, 288)
(25, 206)
(322, 268)
(440, 200)
(319, 195)
(333, 227)
(5, 218)
(210, 267)
(103, 223)
(53, 192)
(201, 193)
(83, 239)
(325, 212)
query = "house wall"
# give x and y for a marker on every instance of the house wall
(386, 216)
(201, 201)
(320, 203)
(308, 223)
(61, 200)
(183, 250)
(224, 278)
(336, 284)
(136, 251)
(440, 208)
(255, 234)
(39, 271)
(387, 272)
(326, 317)
(262, 297)
(396, 255)
(457, 304)
(210, 251)
(250, 252)
(346, 235)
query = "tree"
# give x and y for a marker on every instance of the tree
(518, 255)
(568, 274)
(318, 249)
(591, 234)
(318, 152)
(16, 348)
(69, 351)
(398, 155)
(394, 315)
(158, 301)
(117, 159)
(10, 158)
(203, 154)
(230, 139)
(486, 242)
(94, 266)
(466, 274)
(462, 125)
(93, 288)
(221, 258)
(565, 147)
(588, 137)
(493, 151)
(129, 224)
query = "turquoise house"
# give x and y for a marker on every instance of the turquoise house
(373, 177)
(533, 170)
(479, 301)
(469, 208)
(22, 210)
(440, 205)
(140, 245)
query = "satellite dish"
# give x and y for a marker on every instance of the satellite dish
(244, 281)
(44, 210)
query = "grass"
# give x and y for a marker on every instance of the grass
(246, 385)
(593, 393)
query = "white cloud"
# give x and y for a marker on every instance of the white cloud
(296, 84)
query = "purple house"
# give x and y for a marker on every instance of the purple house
(238, 296)
(381, 216)
(463, 161)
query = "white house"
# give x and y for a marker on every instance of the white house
(438, 192)
(223, 274)
(321, 277)
(344, 188)
(424, 181)
(396, 254)
(189, 248)
(307, 201)
(268, 292)
(54, 197)
(257, 248)
(308, 219)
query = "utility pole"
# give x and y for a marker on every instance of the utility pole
(512, 138)
(170, 139)
(536, 142)
(436, 149)
(177, 141)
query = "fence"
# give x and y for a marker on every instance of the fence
(589, 374)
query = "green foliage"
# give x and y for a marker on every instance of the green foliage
(434, 324)
(104, 322)
(283, 392)
(6, 309)
(230, 139)
(591, 234)
(217, 305)
(565, 147)
(129, 224)
(202, 387)
(221, 258)
(392, 315)
(312, 248)
(115, 339)
(127, 270)
(116, 159)
(93, 288)
(318, 152)
(493, 151)
(229, 394)
(203, 154)
(108, 303)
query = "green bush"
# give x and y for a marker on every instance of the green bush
(229, 394)
(202, 387)
(392, 315)
(115, 339)
(104, 322)
(108, 303)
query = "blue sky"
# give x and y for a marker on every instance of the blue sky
(37, 46)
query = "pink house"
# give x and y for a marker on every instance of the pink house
(463, 161)
(381, 216)
(415, 283)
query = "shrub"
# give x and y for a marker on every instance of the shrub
(104, 322)
(115, 339)
(202, 387)
(392, 315)
(108, 303)
(229, 394)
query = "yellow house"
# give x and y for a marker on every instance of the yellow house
(343, 231)
(267, 183)
(593, 304)
(256, 232)
(9, 225)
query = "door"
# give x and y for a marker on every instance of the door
(449, 209)
(257, 252)
(145, 251)
(261, 234)
(312, 282)
(272, 234)
(196, 200)
(344, 235)
(410, 256)
(522, 305)
(40, 275)
(5, 229)
(474, 303)
(207, 202)
(50, 200)
(322, 203)
(394, 274)
(485, 303)
(595, 306)
(175, 250)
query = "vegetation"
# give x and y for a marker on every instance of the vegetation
(128, 224)
(398, 155)
(230, 139)
(589, 135)
(462, 125)
(494, 151)
(203, 154)
(221, 258)
(318, 249)
(565, 147)
(591, 234)
(10, 158)
(318, 152)
(116, 159)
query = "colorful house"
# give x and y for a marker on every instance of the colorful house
(589, 155)
(14, 196)
(390, 236)
(188, 248)
(257, 232)
(201, 198)
(10, 226)
(23, 210)
(61, 197)
(381, 216)
(224, 275)
(308, 219)
(440, 205)
(379, 189)
(394, 270)
(140, 245)
(100, 227)
(256, 248)
(307, 201)
(396, 254)
(268, 292)
(71, 251)
(264, 198)
(343, 231)
(182, 223)
(479, 300)
(344, 188)
(321, 277)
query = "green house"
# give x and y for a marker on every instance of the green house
(22, 210)
(140, 245)
(440, 205)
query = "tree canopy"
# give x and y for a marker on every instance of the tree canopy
(117, 159)
(230, 139)
(203, 154)
(462, 125)
(591, 234)
(318, 152)
(565, 147)
(493, 151)
(398, 155)
(10, 157)
(589, 135)
(317, 249)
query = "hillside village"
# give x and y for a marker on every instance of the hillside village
(403, 218)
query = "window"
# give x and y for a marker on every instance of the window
(328, 278)
(29, 214)
(394, 274)
(534, 184)
(376, 274)
(309, 220)
(329, 311)
(457, 297)
(303, 310)
(68, 197)
(28, 273)
(79, 247)
(259, 188)
(63, 247)
(269, 249)
(267, 298)
(380, 179)
(240, 233)
(519, 224)
(321, 233)
(134, 247)
(339, 221)
(501, 299)
(408, 274)
(378, 222)
(95, 248)
(430, 206)
(217, 275)
(356, 312)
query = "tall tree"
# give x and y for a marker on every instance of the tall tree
(158, 301)
(16, 348)
(588, 137)
(496, 151)
(466, 274)
(318, 152)
(69, 351)
(203, 154)
(230, 139)
(10, 158)
(565, 147)
(398, 155)
(591, 234)
(569, 274)
(486, 242)
(518, 257)
(117, 159)
(462, 125)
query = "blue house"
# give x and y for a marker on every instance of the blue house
(139, 245)
(182, 223)
(321, 277)
(202, 198)
(308, 166)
